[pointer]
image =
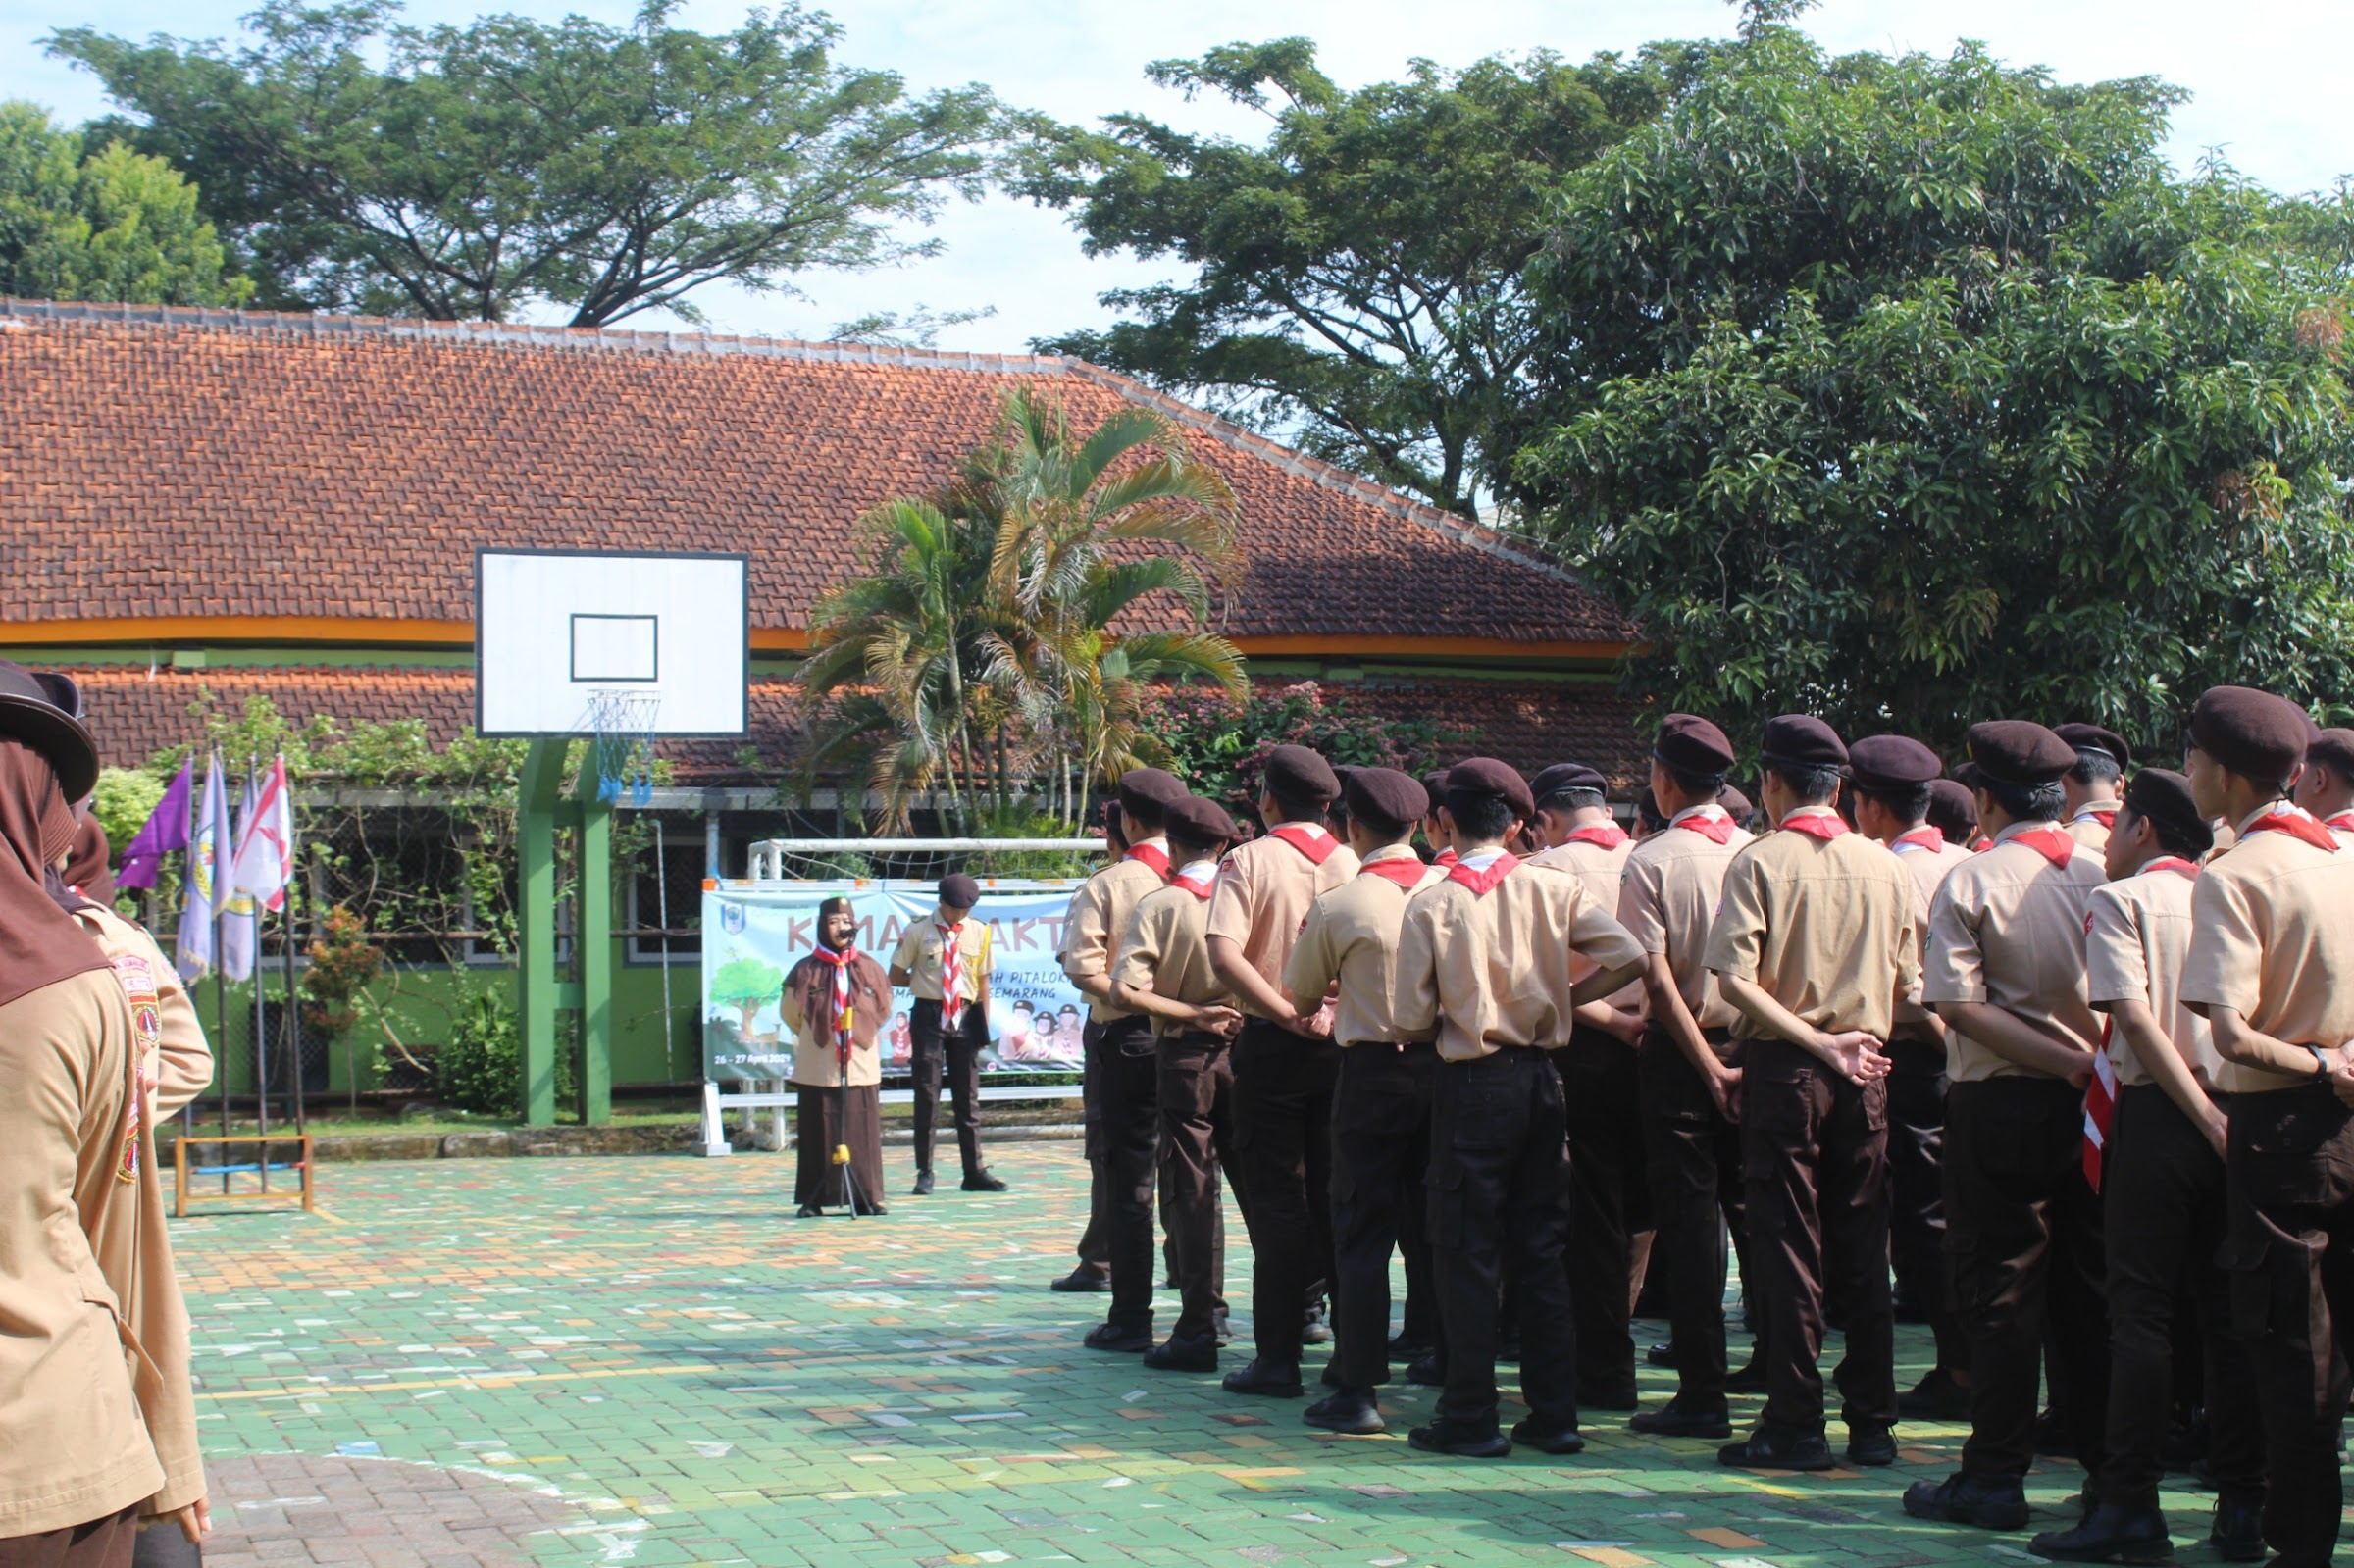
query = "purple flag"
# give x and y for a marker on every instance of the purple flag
(167, 829)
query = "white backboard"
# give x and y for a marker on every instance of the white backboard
(554, 630)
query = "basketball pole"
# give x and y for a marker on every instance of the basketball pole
(542, 808)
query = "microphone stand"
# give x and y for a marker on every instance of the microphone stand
(851, 1196)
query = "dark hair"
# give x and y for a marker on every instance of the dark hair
(1813, 787)
(1648, 814)
(1480, 817)
(1305, 809)
(1115, 826)
(1143, 813)
(1909, 803)
(1567, 800)
(2020, 802)
(1698, 785)
(2175, 838)
(1383, 829)
(1182, 848)
(2095, 767)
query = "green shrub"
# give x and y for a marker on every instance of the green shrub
(481, 1067)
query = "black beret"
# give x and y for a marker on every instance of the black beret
(1148, 792)
(1295, 773)
(1892, 762)
(1561, 776)
(2254, 733)
(62, 692)
(1490, 780)
(1199, 820)
(1692, 743)
(2334, 749)
(1736, 804)
(1800, 740)
(2092, 737)
(2019, 751)
(960, 891)
(1953, 809)
(2164, 798)
(1387, 793)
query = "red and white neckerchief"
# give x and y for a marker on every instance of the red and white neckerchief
(1445, 858)
(1483, 878)
(1154, 855)
(1198, 878)
(1310, 841)
(952, 973)
(1713, 823)
(1816, 821)
(2343, 822)
(2173, 863)
(1601, 835)
(2053, 844)
(2294, 821)
(2106, 816)
(845, 1016)
(1403, 870)
(1923, 838)
(2100, 1108)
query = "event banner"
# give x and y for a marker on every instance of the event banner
(754, 931)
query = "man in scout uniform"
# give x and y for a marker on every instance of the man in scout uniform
(1954, 812)
(1094, 1270)
(1284, 1067)
(1124, 1054)
(2090, 788)
(944, 960)
(2006, 973)
(2271, 967)
(2160, 1156)
(1381, 1104)
(1163, 971)
(1814, 946)
(1486, 959)
(2326, 787)
(1689, 1069)
(1894, 777)
(1436, 831)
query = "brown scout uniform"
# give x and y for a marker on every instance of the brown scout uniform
(824, 1121)
(1917, 1088)
(933, 1050)
(2090, 823)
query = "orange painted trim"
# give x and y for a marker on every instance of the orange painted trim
(1425, 647)
(778, 640)
(313, 629)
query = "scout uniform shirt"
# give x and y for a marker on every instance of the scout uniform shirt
(1927, 855)
(1596, 852)
(179, 1064)
(1264, 889)
(2136, 934)
(1824, 926)
(1165, 950)
(2089, 824)
(1667, 900)
(1098, 916)
(920, 949)
(1496, 968)
(816, 1057)
(1352, 937)
(2270, 939)
(2007, 927)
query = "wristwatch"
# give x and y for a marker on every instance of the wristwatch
(2325, 1058)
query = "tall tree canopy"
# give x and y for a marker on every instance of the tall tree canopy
(109, 224)
(1357, 273)
(508, 162)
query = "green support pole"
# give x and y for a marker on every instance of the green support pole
(596, 954)
(539, 793)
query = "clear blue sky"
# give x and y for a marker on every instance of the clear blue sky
(2268, 78)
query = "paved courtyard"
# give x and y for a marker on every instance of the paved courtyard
(649, 1361)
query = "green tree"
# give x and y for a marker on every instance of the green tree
(1357, 274)
(110, 225)
(746, 984)
(485, 168)
(1912, 392)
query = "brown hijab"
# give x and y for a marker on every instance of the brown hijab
(41, 943)
(811, 984)
(91, 870)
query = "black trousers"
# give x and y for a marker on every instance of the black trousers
(1095, 1240)
(2025, 1233)
(1380, 1162)
(1495, 1193)
(1283, 1085)
(1694, 1165)
(2162, 1190)
(1609, 1201)
(2289, 1247)
(1917, 1192)
(1814, 1157)
(930, 1049)
(1195, 1079)
(1128, 1129)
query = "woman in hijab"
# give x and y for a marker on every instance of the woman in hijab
(835, 1001)
(93, 1434)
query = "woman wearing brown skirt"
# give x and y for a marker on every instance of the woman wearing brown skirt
(835, 1003)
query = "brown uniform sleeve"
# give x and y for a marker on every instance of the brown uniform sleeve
(185, 1057)
(1639, 909)
(1230, 900)
(2224, 966)
(1141, 946)
(1597, 935)
(1955, 970)
(1313, 966)
(1087, 934)
(2116, 967)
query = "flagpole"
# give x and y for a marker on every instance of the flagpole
(261, 974)
(286, 936)
(220, 977)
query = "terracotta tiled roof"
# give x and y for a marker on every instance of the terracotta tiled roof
(175, 463)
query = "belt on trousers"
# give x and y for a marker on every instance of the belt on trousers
(1390, 1045)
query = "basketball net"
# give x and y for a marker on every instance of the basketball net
(621, 726)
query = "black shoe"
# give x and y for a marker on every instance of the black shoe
(1119, 1338)
(1660, 1355)
(1871, 1446)
(981, 1182)
(1461, 1442)
(1184, 1352)
(1404, 1350)
(2237, 1534)
(1608, 1397)
(2052, 1439)
(1936, 1398)
(923, 1184)
(1676, 1419)
(807, 1211)
(1086, 1277)
(1751, 1379)
(874, 1208)
(1274, 1379)
(1313, 1328)
(1350, 1410)
(1990, 1502)
(1768, 1449)
(1427, 1372)
(2108, 1534)
(1548, 1439)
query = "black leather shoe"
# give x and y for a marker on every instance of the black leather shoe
(1751, 1379)
(1549, 1438)
(1936, 1398)
(1768, 1449)
(1871, 1446)
(1608, 1397)
(1461, 1441)
(1660, 1355)
(1086, 1277)
(981, 1182)
(1191, 1353)
(807, 1211)
(1276, 1380)
(1676, 1419)
(1313, 1328)
(923, 1184)
(2237, 1534)
(1988, 1503)
(1404, 1350)
(2108, 1534)
(1427, 1372)
(1119, 1338)
(1350, 1410)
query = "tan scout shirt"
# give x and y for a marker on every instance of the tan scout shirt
(2088, 829)
(1352, 937)
(2271, 939)
(1097, 918)
(922, 946)
(1497, 970)
(2007, 927)
(1928, 863)
(1667, 900)
(73, 1445)
(1825, 927)
(1601, 871)
(815, 1063)
(180, 1066)
(2136, 935)
(1165, 950)
(1264, 891)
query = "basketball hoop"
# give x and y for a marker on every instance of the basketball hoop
(621, 726)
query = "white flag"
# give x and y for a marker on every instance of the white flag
(207, 864)
(265, 861)
(236, 914)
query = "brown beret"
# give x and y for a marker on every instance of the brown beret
(1800, 740)
(1434, 784)
(1561, 776)
(1953, 809)
(1146, 792)
(1736, 804)
(2252, 733)
(1690, 743)
(1892, 762)
(2019, 751)
(1488, 779)
(1199, 820)
(1388, 794)
(1295, 773)
(960, 891)
(2332, 749)
(2164, 798)
(2092, 737)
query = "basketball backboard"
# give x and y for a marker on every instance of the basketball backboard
(561, 636)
